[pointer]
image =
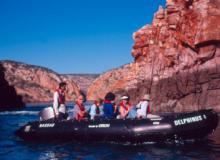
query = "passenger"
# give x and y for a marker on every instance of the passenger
(108, 106)
(59, 102)
(124, 107)
(143, 106)
(96, 109)
(79, 110)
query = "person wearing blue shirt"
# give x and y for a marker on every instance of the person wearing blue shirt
(108, 106)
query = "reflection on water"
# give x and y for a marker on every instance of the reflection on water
(14, 148)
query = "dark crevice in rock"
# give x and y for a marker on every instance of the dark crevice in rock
(9, 99)
(188, 3)
(207, 43)
(186, 45)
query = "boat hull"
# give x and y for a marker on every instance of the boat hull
(185, 126)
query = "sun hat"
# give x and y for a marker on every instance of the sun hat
(124, 98)
(146, 97)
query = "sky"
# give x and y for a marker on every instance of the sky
(72, 36)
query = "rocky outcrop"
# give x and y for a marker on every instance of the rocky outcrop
(82, 80)
(36, 84)
(176, 59)
(9, 99)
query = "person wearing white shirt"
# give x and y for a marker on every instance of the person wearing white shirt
(142, 106)
(59, 101)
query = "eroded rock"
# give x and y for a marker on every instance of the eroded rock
(36, 84)
(176, 60)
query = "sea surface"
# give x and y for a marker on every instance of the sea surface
(13, 148)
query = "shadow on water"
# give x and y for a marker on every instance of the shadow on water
(14, 148)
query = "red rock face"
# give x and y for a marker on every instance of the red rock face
(177, 59)
(36, 84)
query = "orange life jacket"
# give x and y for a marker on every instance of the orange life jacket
(125, 107)
(82, 109)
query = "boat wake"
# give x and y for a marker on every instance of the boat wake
(19, 113)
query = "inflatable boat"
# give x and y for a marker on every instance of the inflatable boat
(182, 126)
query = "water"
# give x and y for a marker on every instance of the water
(12, 148)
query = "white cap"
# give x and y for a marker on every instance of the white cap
(124, 97)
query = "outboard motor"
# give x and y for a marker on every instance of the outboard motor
(46, 114)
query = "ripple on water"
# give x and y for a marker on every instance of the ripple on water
(12, 147)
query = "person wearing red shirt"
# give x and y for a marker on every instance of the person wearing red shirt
(124, 107)
(79, 108)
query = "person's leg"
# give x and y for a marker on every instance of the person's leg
(61, 115)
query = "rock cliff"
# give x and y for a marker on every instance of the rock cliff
(176, 59)
(36, 84)
(82, 80)
(9, 99)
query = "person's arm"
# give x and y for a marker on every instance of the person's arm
(76, 111)
(127, 111)
(138, 106)
(123, 112)
(120, 111)
(81, 114)
(56, 103)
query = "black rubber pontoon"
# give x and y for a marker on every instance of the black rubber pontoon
(184, 126)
